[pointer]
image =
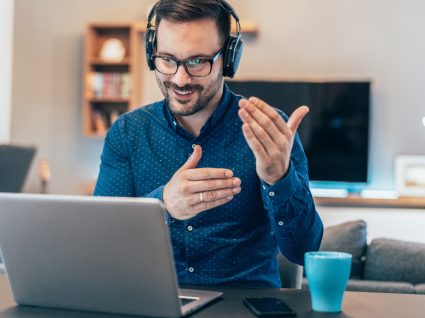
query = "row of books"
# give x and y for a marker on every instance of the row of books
(103, 120)
(109, 84)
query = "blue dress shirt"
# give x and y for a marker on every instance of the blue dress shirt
(233, 243)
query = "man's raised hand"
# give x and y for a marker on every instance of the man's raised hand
(193, 190)
(269, 136)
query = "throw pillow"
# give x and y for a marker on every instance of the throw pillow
(394, 260)
(348, 237)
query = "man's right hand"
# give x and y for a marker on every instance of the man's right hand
(193, 190)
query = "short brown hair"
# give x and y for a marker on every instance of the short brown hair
(190, 10)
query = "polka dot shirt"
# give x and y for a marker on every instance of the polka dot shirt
(235, 243)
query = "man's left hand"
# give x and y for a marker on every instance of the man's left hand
(269, 136)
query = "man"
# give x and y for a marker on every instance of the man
(231, 172)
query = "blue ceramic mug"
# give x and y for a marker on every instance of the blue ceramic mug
(327, 275)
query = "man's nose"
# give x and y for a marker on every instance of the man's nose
(181, 77)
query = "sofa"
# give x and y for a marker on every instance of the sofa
(384, 265)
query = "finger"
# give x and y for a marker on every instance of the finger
(193, 160)
(253, 143)
(208, 173)
(260, 131)
(250, 113)
(296, 118)
(203, 206)
(213, 184)
(256, 103)
(208, 196)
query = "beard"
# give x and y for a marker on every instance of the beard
(201, 99)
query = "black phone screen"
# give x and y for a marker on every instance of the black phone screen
(268, 306)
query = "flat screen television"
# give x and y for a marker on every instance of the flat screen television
(334, 134)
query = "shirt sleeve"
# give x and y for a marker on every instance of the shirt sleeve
(116, 175)
(295, 222)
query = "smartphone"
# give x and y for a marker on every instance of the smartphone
(269, 306)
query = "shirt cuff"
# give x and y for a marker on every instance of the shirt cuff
(280, 192)
(158, 194)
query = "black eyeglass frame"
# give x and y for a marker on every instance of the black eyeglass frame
(178, 62)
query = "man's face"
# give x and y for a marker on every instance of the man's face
(186, 94)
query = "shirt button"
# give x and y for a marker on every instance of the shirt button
(193, 146)
(280, 223)
(190, 228)
(191, 269)
(271, 193)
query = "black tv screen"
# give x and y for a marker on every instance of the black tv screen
(334, 134)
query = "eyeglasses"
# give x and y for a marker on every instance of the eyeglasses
(196, 67)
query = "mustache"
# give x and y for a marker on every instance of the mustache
(187, 87)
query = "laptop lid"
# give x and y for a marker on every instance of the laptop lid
(89, 253)
(15, 162)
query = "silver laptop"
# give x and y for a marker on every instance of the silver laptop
(92, 253)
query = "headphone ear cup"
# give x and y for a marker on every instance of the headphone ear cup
(150, 44)
(237, 56)
(232, 56)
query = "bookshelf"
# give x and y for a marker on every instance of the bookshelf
(112, 74)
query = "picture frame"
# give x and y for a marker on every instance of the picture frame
(410, 175)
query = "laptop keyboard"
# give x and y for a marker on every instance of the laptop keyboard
(186, 300)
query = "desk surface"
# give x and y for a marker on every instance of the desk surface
(356, 304)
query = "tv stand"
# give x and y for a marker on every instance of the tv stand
(357, 201)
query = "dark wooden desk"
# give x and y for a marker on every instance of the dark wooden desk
(356, 304)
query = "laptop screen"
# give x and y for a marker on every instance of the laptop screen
(15, 162)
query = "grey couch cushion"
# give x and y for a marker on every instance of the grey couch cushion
(290, 273)
(380, 287)
(349, 237)
(394, 260)
(420, 289)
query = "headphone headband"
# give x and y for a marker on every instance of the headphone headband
(151, 15)
(233, 13)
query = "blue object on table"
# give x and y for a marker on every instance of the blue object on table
(327, 274)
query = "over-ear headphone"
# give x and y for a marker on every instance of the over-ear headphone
(232, 51)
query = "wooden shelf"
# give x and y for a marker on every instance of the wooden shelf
(120, 80)
(247, 28)
(109, 100)
(113, 26)
(98, 61)
(357, 201)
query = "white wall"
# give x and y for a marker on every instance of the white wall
(6, 36)
(402, 224)
(377, 39)
(47, 85)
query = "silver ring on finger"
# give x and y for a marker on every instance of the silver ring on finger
(201, 196)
